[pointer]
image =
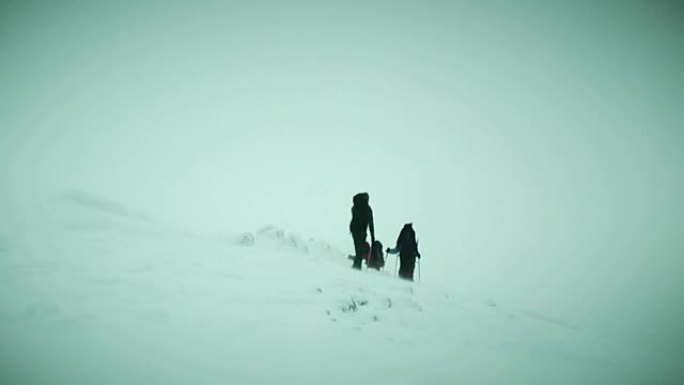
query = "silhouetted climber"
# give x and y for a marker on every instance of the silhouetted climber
(375, 259)
(362, 219)
(407, 247)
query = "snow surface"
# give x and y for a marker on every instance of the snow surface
(110, 296)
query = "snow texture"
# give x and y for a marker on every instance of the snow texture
(108, 297)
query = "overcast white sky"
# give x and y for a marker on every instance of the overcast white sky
(537, 147)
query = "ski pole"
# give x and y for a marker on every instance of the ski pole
(418, 269)
(384, 262)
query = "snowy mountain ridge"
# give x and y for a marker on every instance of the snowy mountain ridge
(111, 297)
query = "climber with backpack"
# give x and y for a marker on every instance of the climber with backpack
(407, 247)
(362, 220)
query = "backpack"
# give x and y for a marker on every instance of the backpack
(407, 241)
(361, 199)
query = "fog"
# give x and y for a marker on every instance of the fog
(538, 148)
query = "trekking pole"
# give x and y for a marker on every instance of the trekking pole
(418, 269)
(396, 265)
(384, 262)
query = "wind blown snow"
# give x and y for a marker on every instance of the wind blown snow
(112, 296)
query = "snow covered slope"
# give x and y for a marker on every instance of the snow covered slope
(101, 295)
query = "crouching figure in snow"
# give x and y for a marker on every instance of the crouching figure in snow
(375, 259)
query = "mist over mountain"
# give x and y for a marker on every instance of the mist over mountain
(537, 148)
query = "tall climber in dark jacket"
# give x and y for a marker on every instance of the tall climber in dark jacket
(362, 219)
